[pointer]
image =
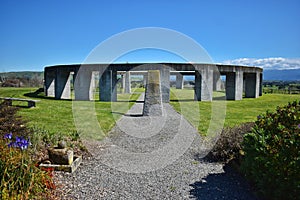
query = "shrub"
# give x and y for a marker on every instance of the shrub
(272, 153)
(229, 144)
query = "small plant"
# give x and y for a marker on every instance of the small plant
(19, 176)
(19, 142)
(272, 153)
(229, 144)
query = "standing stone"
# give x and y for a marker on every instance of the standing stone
(179, 81)
(252, 85)
(49, 77)
(127, 83)
(153, 96)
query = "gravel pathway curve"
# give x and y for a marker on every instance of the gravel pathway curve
(151, 158)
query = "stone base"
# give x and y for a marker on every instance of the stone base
(66, 168)
(60, 156)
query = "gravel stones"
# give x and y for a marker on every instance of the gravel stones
(150, 158)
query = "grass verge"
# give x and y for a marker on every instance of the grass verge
(237, 112)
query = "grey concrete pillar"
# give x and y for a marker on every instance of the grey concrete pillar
(62, 84)
(122, 81)
(127, 89)
(198, 86)
(234, 85)
(107, 83)
(145, 80)
(165, 83)
(49, 78)
(153, 95)
(217, 82)
(179, 81)
(260, 84)
(203, 84)
(252, 85)
(93, 85)
(83, 85)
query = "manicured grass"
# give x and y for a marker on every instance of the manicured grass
(56, 116)
(237, 112)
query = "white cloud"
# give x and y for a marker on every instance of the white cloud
(278, 63)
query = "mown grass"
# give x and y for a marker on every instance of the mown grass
(237, 112)
(57, 117)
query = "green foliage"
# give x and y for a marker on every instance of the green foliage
(43, 138)
(229, 144)
(272, 153)
(19, 177)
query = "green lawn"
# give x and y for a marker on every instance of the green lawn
(237, 112)
(56, 116)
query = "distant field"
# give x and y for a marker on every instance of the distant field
(56, 116)
(237, 112)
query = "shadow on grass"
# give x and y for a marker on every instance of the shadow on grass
(128, 115)
(134, 101)
(222, 98)
(37, 94)
(227, 185)
(182, 100)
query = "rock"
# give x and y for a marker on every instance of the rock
(60, 156)
(62, 144)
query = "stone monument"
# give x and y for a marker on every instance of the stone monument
(153, 96)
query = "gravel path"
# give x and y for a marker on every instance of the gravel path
(151, 158)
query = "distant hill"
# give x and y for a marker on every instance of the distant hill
(23, 74)
(282, 75)
(21, 79)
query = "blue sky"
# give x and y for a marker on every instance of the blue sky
(38, 33)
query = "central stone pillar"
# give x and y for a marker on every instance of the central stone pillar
(153, 95)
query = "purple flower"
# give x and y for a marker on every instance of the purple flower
(8, 136)
(298, 126)
(20, 142)
(258, 117)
